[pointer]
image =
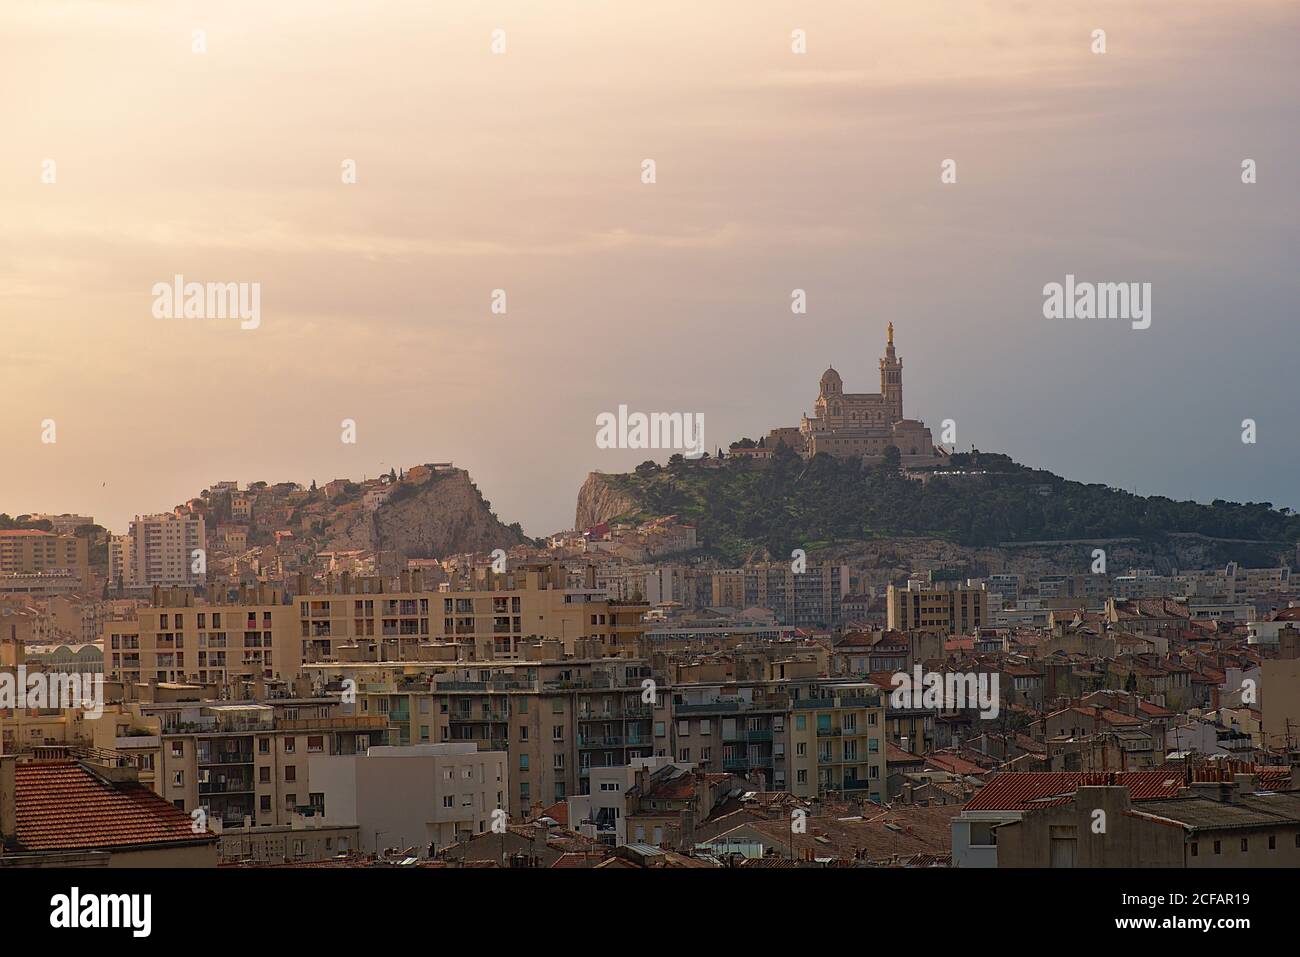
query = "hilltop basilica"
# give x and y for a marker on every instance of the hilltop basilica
(860, 424)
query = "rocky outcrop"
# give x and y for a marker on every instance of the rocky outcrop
(599, 501)
(445, 515)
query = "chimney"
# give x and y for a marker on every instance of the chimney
(1221, 791)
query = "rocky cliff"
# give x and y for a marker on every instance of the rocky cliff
(444, 516)
(599, 501)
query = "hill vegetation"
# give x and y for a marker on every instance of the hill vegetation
(743, 506)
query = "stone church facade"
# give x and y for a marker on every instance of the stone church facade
(861, 424)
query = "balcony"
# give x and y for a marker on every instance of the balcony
(740, 764)
(240, 757)
(758, 735)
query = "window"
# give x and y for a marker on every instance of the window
(448, 800)
(557, 733)
(523, 762)
(289, 744)
(1245, 844)
(290, 773)
(178, 749)
(1195, 849)
(1217, 847)
(684, 755)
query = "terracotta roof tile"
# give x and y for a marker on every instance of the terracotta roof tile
(61, 806)
(1017, 791)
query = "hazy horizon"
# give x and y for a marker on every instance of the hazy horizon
(521, 171)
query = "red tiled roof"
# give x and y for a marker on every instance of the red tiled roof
(1016, 791)
(62, 806)
(557, 812)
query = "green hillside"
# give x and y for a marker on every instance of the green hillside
(746, 506)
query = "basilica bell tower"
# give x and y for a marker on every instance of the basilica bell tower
(891, 379)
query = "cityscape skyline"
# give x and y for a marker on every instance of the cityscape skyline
(450, 437)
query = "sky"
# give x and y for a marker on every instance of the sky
(522, 171)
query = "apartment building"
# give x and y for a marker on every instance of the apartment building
(244, 762)
(803, 734)
(120, 573)
(558, 719)
(161, 550)
(737, 727)
(1209, 824)
(811, 598)
(837, 742)
(176, 639)
(426, 796)
(950, 607)
(487, 616)
(25, 552)
(602, 813)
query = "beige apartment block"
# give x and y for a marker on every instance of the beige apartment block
(176, 639)
(944, 606)
(487, 617)
(837, 742)
(32, 552)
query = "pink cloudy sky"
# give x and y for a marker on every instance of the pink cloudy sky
(521, 171)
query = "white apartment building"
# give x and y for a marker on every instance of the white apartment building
(412, 795)
(160, 550)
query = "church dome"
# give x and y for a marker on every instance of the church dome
(831, 383)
